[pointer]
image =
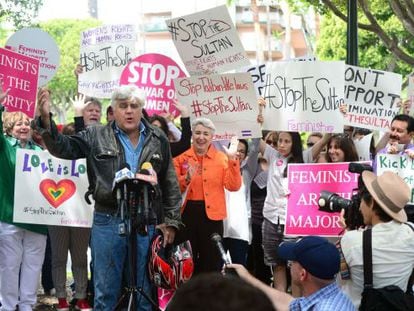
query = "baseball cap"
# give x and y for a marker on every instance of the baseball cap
(316, 254)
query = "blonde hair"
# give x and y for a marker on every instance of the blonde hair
(127, 92)
(11, 118)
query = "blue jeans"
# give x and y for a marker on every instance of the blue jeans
(109, 252)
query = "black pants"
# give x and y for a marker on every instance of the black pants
(198, 229)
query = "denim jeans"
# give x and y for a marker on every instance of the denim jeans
(109, 252)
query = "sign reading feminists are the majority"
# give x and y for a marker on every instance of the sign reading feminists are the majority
(104, 52)
(50, 191)
(229, 100)
(304, 96)
(372, 96)
(208, 42)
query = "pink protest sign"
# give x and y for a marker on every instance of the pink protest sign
(19, 73)
(154, 73)
(305, 182)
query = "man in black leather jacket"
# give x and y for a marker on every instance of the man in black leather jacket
(128, 141)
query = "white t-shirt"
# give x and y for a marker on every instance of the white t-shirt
(392, 258)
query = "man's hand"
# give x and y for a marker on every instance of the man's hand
(43, 105)
(168, 233)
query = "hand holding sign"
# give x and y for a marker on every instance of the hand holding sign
(43, 104)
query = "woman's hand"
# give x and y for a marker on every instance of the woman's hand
(232, 150)
(43, 105)
(184, 112)
(79, 104)
(3, 95)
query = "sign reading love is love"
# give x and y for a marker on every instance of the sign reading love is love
(53, 190)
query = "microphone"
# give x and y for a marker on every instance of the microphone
(147, 174)
(216, 238)
(121, 176)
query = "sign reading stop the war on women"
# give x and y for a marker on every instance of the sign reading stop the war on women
(36, 43)
(104, 53)
(154, 73)
(19, 73)
(402, 165)
(207, 42)
(229, 100)
(305, 182)
(304, 96)
(50, 191)
(371, 96)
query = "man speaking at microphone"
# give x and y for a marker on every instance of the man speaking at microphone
(128, 141)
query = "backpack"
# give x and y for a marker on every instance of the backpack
(389, 298)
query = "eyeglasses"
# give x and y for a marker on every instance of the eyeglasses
(271, 142)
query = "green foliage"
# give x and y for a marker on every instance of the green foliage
(66, 33)
(20, 12)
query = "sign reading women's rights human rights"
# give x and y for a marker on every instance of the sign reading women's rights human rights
(19, 73)
(402, 165)
(37, 43)
(50, 191)
(305, 183)
(104, 52)
(229, 100)
(154, 73)
(304, 96)
(371, 96)
(207, 42)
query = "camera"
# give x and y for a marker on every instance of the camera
(332, 203)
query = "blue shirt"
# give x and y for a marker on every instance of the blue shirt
(328, 298)
(132, 153)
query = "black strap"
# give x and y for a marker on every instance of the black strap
(409, 225)
(367, 256)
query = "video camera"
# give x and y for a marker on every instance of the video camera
(332, 203)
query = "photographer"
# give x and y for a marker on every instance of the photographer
(382, 206)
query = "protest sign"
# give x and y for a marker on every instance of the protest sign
(19, 73)
(258, 77)
(154, 73)
(104, 53)
(305, 182)
(304, 96)
(229, 100)
(371, 96)
(207, 42)
(402, 165)
(36, 43)
(53, 190)
(363, 146)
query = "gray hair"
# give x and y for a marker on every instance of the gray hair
(204, 122)
(129, 91)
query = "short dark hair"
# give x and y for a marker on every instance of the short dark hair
(376, 208)
(246, 144)
(405, 118)
(214, 292)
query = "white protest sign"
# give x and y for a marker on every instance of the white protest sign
(304, 96)
(229, 100)
(371, 96)
(36, 43)
(258, 77)
(104, 53)
(410, 94)
(50, 191)
(362, 147)
(402, 165)
(207, 41)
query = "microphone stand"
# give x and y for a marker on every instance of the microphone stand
(131, 214)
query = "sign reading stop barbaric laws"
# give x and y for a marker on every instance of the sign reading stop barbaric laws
(229, 100)
(19, 73)
(207, 41)
(372, 97)
(37, 43)
(154, 73)
(104, 52)
(304, 96)
(50, 191)
(305, 183)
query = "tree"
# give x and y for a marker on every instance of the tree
(19, 12)
(66, 33)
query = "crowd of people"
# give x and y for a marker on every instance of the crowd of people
(237, 189)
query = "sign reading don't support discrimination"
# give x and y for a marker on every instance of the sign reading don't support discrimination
(371, 96)
(50, 191)
(229, 100)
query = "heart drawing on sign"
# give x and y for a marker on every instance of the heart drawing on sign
(57, 193)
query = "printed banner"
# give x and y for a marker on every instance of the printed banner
(402, 165)
(304, 96)
(36, 43)
(207, 42)
(229, 100)
(305, 182)
(50, 191)
(19, 73)
(155, 74)
(371, 96)
(104, 53)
